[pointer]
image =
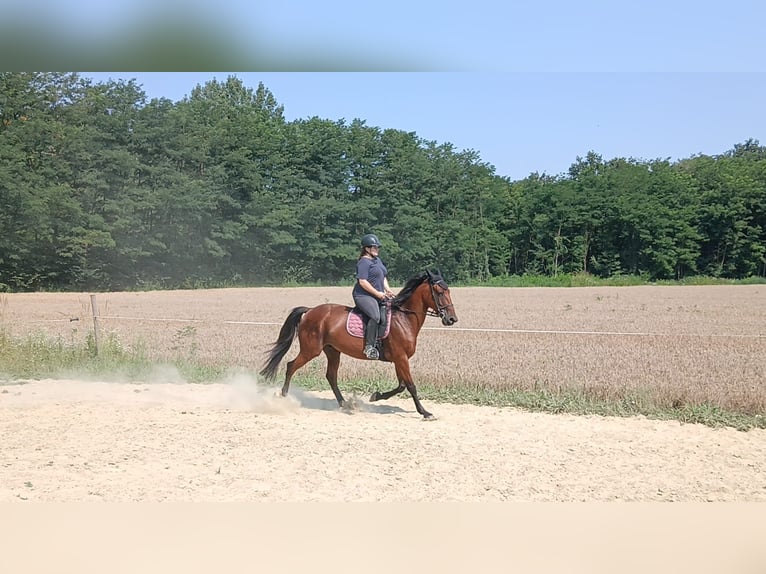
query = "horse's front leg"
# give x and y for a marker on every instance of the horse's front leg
(413, 391)
(378, 396)
(405, 382)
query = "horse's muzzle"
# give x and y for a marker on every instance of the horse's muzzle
(448, 320)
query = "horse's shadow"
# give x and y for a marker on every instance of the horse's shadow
(353, 404)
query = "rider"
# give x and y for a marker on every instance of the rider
(370, 290)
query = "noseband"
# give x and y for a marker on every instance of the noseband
(440, 311)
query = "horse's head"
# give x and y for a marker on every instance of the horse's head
(442, 300)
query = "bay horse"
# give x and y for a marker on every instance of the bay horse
(323, 328)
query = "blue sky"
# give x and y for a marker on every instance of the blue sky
(520, 122)
(528, 85)
(444, 35)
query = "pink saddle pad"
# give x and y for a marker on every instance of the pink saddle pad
(355, 323)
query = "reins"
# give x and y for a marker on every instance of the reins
(439, 312)
(429, 312)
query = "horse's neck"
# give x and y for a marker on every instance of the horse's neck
(418, 308)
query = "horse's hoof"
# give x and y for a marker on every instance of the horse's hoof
(429, 417)
(347, 407)
(375, 397)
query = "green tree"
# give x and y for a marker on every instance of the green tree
(45, 233)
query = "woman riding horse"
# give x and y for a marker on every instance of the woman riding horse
(323, 329)
(371, 291)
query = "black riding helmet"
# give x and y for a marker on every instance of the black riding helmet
(370, 240)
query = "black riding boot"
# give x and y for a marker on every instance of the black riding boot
(370, 338)
(382, 326)
(383, 319)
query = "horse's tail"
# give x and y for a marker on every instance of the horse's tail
(285, 340)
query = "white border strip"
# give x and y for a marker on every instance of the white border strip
(619, 333)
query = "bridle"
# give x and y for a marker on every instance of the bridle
(441, 310)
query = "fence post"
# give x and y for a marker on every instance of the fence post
(94, 308)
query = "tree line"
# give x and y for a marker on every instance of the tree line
(101, 189)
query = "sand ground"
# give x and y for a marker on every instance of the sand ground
(71, 440)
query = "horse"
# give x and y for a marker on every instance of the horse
(323, 329)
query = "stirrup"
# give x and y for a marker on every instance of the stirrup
(371, 352)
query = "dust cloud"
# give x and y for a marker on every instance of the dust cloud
(165, 385)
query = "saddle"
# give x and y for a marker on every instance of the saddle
(356, 321)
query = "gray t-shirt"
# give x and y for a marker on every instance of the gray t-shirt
(371, 269)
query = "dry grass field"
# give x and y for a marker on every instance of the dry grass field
(233, 440)
(673, 345)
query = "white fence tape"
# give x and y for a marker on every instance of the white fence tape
(449, 329)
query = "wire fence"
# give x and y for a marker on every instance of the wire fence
(425, 328)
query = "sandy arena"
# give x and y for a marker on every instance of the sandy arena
(236, 441)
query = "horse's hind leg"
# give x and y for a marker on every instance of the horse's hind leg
(304, 356)
(292, 366)
(333, 362)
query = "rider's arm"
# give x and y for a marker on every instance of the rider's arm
(367, 286)
(387, 288)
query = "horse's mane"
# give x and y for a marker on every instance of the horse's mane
(412, 284)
